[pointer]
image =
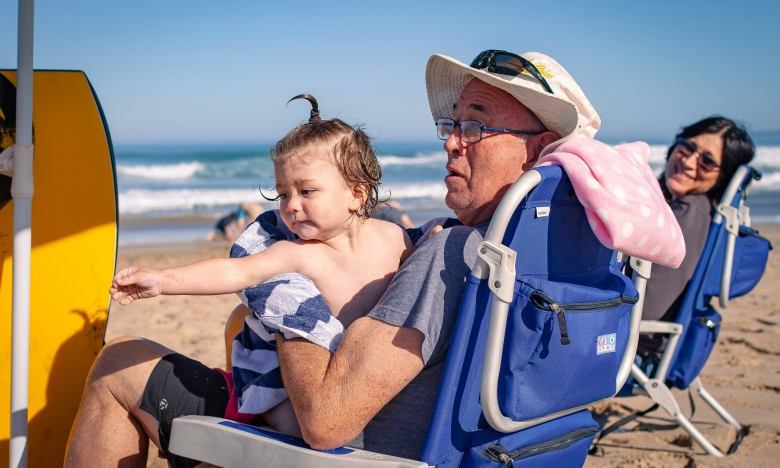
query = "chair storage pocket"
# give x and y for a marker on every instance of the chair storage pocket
(751, 253)
(699, 339)
(560, 443)
(563, 347)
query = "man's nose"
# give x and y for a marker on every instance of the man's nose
(452, 144)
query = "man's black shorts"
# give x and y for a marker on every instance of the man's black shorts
(180, 386)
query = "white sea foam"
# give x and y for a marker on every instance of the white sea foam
(136, 201)
(182, 170)
(419, 159)
(767, 156)
(657, 154)
(433, 190)
(768, 182)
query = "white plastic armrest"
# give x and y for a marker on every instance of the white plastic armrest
(223, 443)
(730, 216)
(674, 330)
(655, 326)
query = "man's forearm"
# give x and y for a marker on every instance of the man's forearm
(304, 368)
(335, 396)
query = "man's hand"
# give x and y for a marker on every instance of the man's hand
(136, 282)
(436, 229)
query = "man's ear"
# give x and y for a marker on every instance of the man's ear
(535, 147)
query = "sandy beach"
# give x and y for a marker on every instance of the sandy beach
(743, 372)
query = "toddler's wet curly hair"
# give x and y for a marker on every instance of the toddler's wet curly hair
(352, 153)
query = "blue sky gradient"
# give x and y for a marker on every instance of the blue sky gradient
(175, 71)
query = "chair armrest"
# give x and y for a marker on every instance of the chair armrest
(230, 444)
(655, 326)
(674, 330)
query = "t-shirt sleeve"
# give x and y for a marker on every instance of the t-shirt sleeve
(426, 291)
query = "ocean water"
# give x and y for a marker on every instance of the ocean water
(170, 194)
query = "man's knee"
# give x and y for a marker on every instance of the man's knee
(124, 365)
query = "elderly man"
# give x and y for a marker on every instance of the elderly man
(377, 391)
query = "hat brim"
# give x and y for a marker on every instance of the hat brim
(446, 77)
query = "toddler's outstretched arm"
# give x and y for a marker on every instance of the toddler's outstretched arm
(206, 277)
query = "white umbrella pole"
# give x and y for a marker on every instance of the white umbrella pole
(22, 191)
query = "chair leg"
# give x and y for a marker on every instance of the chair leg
(697, 387)
(661, 394)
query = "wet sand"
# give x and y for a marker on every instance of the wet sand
(743, 372)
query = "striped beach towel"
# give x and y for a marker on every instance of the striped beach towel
(289, 304)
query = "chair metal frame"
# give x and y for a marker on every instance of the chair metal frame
(656, 387)
(218, 441)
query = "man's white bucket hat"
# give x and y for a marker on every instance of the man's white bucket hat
(566, 111)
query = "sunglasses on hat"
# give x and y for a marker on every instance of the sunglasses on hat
(507, 63)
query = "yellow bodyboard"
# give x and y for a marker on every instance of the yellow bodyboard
(74, 232)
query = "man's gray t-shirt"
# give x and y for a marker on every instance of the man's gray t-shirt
(425, 294)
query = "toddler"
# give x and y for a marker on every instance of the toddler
(327, 180)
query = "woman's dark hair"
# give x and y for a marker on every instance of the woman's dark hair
(738, 149)
(352, 152)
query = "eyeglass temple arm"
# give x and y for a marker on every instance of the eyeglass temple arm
(506, 130)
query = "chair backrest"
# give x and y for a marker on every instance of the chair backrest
(731, 264)
(558, 358)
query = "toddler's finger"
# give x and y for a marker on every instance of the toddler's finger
(436, 229)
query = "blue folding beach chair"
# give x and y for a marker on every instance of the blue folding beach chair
(548, 326)
(732, 263)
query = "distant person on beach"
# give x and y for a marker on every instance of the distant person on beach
(327, 179)
(378, 389)
(699, 165)
(393, 212)
(229, 227)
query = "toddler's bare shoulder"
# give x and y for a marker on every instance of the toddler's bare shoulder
(389, 232)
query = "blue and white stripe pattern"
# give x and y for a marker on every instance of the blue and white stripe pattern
(289, 304)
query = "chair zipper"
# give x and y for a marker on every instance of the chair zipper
(542, 301)
(497, 453)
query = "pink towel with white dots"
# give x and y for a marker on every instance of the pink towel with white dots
(622, 198)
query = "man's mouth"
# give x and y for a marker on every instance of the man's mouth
(451, 172)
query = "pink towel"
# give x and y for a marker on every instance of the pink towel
(622, 198)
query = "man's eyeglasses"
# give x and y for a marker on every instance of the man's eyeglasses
(507, 63)
(687, 149)
(470, 130)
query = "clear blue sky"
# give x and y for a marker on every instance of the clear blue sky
(175, 71)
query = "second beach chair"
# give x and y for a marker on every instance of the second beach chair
(732, 263)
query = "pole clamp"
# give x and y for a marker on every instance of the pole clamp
(22, 183)
(731, 216)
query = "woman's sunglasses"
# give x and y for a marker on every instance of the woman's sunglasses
(688, 149)
(507, 63)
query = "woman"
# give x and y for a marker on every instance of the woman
(699, 165)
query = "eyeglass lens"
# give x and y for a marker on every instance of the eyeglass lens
(705, 161)
(470, 130)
